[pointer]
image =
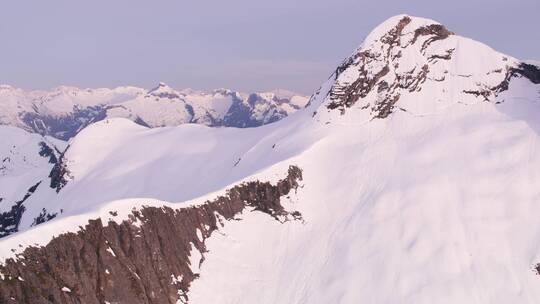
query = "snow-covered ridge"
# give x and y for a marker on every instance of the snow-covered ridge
(143, 231)
(116, 211)
(64, 111)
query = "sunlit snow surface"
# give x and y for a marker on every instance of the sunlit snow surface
(434, 208)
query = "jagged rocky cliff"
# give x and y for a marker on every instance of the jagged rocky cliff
(151, 257)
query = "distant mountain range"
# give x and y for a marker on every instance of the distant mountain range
(64, 111)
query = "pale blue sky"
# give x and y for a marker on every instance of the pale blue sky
(246, 45)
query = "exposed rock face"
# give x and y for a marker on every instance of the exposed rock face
(27, 160)
(434, 31)
(64, 126)
(238, 116)
(43, 217)
(374, 63)
(46, 151)
(9, 220)
(59, 173)
(529, 71)
(408, 55)
(145, 259)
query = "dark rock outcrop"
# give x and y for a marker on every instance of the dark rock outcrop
(46, 151)
(244, 114)
(59, 173)
(43, 217)
(343, 97)
(66, 126)
(435, 31)
(145, 259)
(536, 268)
(528, 71)
(385, 60)
(239, 115)
(10, 220)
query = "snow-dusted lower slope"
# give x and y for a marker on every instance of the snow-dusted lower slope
(64, 111)
(411, 177)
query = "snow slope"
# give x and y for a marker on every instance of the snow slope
(26, 160)
(420, 173)
(64, 111)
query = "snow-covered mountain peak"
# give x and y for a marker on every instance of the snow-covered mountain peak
(223, 91)
(162, 90)
(419, 66)
(399, 25)
(6, 87)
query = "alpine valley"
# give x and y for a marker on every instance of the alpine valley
(410, 176)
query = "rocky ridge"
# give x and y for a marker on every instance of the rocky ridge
(151, 257)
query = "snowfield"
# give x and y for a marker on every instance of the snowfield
(436, 202)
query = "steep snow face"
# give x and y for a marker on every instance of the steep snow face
(64, 111)
(427, 197)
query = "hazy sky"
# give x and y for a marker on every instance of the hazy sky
(248, 45)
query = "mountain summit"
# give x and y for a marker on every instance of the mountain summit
(408, 58)
(410, 177)
(163, 91)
